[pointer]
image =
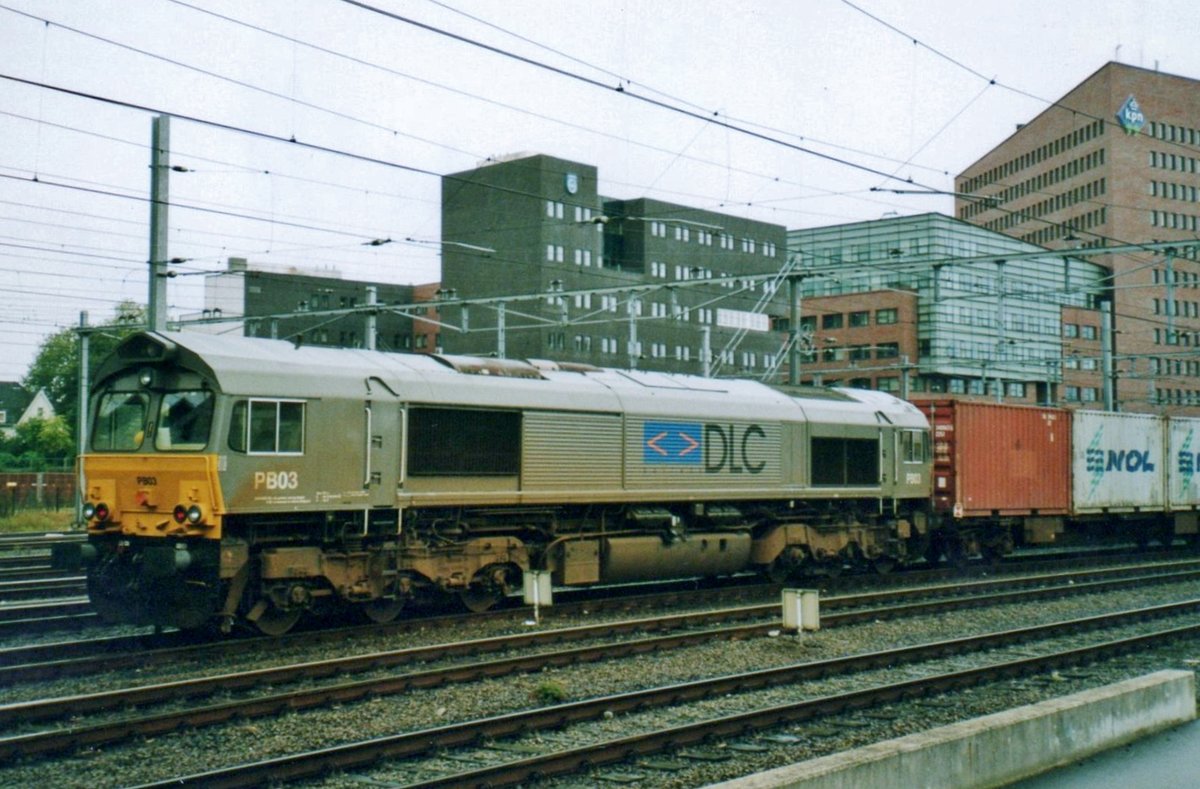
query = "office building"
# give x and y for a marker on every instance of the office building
(537, 263)
(1112, 166)
(930, 306)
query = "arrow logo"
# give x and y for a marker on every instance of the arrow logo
(674, 443)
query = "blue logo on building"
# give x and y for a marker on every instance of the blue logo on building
(672, 443)
(1130, 116)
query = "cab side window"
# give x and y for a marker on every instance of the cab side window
(912, 446)
(267, 427)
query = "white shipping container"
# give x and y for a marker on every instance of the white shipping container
(1117, 462)
(1183, 463)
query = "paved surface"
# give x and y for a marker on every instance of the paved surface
(1169, 760)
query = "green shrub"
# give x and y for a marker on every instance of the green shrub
(550, 692)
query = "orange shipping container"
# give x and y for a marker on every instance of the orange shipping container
(996, 459)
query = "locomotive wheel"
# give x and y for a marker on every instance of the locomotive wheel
(883, 565)
(478, 599)
(789, 564)
(276, 621)
(382, 610)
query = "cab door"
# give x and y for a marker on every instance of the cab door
(382, 437)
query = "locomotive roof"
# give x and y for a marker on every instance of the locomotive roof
(257, 367)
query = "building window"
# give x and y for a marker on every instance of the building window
(885, 317)
(831, 321)
(887, 350)
(1070, 330)
(860, 318)
(1087, 332)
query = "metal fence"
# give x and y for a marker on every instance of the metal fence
(40, 490)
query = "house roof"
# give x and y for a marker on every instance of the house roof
(14, 399)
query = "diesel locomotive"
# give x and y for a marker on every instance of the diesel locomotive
(240, 481)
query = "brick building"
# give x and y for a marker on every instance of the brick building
(1114, 163)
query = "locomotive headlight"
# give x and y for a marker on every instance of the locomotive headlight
(101, 512)
(89, 511)
(180, 513)
(195, 514)
(146, 377)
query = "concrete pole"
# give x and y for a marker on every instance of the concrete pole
(372, 317)
(1106, 360)
(706, 351)
(794, 330)
(160, 178)
(500, 350)
(1170, 306)
(633, 336)
(81, 416)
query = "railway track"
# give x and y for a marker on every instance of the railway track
(17, 620)
(142, 652)
(585, 644)
(42, 587)
(469, 734)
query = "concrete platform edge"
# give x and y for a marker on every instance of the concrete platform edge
(1002, 748)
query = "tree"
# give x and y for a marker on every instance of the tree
(38, 443)
(56, 366)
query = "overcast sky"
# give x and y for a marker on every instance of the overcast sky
(381, 104)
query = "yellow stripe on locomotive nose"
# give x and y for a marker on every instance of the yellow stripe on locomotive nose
(143, 491)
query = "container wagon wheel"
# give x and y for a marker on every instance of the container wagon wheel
(1164, 533)
(382, 610)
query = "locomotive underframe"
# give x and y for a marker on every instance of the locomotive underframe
(268, 569)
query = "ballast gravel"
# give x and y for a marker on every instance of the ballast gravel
(195, 751)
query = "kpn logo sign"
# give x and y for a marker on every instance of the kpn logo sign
(1130, 116)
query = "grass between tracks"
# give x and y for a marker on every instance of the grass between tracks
(38, 520)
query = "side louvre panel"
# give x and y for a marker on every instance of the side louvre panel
(564, 451)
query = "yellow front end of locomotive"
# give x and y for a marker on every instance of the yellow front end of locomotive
(153, 495)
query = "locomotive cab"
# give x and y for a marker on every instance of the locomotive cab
(152, 494)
